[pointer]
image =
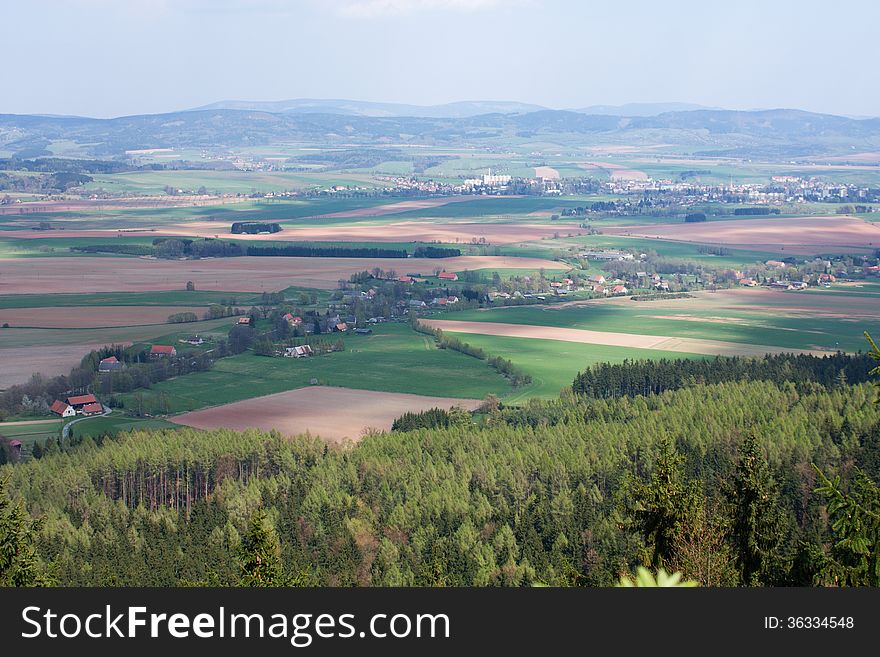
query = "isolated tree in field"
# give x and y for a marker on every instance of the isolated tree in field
(19, 565)
(757, 527)
(190, 286)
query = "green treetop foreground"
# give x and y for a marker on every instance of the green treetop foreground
(715, 482)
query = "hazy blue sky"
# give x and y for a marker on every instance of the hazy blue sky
(115, 57)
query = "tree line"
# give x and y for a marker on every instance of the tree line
(650, 377)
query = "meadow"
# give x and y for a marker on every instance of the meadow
(553, 364)
(763, 320)
(394, 358)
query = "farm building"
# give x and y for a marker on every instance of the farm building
(79, 401)
(291, 320)
(162, 351)
(110, 364)
(195, 340)
(92, 409)
(597, 278)
(244, 321)
(619, 289)
(447, 276)
(63, 409)
(342, 327)
(406, 279)
(298, 352)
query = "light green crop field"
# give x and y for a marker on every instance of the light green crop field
(393, 359)
(553, 364)
(752, 324)
(223, 182)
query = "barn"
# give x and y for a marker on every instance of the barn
(162, 351)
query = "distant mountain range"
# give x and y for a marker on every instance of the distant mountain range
(462, 109)
(458, 110)
(779, 133)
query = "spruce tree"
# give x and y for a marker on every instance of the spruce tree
(757, 526)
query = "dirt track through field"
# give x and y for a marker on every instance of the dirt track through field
(245, 274)
(93, 316)
(632, 340)
(797, 235)
(334, 414)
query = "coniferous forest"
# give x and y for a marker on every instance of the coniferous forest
(756, 482)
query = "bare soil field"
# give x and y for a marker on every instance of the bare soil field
(404, 231)
(633, 340)
(17, 364)
(546, 172)
(92, 316)
(616, 171)
(403, 206)
(245, 274)
(798, 235)
(334, 414)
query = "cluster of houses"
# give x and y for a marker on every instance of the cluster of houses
(77, 405)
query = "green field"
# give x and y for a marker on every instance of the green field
(221, 182)
(29, 434)
(117, 423)
(751, 326)
(159, 298)
(393, 359)
(553, 364)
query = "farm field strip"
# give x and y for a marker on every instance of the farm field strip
(798, 235)
(334, 414)
(244, 274)
(92, 316)
(632, 340)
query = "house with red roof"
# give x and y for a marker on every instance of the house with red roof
(163, 351)
(92, 409)
(63, 409)
(447, 276)
(78, 401)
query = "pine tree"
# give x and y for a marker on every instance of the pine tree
(260, 557)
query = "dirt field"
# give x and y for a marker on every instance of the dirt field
(403, 206)
(246, 274)
(546, 172)
(18, 363)
(799, 235)
(92, 316)
(334, 414)
(616, 171)
(404, 231)
(663, 343)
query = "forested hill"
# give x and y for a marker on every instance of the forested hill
(712, 480)
(769, 132)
